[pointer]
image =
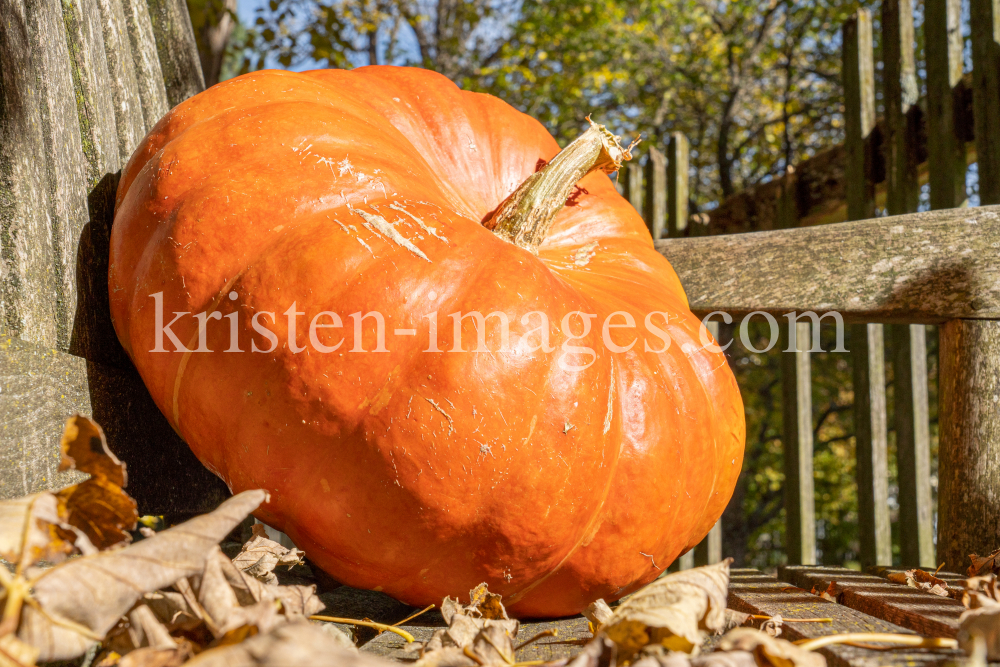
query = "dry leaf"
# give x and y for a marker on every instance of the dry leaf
(924, 581)
(482, 628)
(289, 645)
(830, 594)
(261, 555)
(664, 658)
(98, 506)
(981, 622)
(772, 626)
(984, 564)
(770, 651)
(76, 603)
(735, 619)
(674, 611)
(981, 592)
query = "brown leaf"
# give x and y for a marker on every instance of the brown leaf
(288, 645)
(981, 591)
(98, 506)
(664, 658)
(15, 653)
(482, 628)
(154, 657)
(76, 603)
(735, 619)
(31, 530)
(674, 611)
(982, 622)
(984, 564)
(769, 651)
(261, 555)
(772, 626)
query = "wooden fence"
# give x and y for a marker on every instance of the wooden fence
(889, 277)
(81, 82)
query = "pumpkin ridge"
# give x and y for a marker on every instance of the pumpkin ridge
(593, 525)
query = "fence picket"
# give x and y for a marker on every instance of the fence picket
(655, 200)
(677, 184)
(908, 342)
(866, 339)
(985, 24)
(945, 90)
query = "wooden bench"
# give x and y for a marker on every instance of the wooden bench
(84, 81)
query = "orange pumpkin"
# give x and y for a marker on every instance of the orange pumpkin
(420, 473)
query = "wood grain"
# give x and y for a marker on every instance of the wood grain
(911, 608)
(797, 443)
(178, 53)
(969, 451)
(918, 268)
(677, 184)
(753, 592)
(985, 28)
(655, 200)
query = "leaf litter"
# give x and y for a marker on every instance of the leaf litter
(75, 584)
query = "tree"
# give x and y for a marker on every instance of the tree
(214, 22)
(454, 37)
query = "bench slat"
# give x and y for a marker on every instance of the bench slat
(918, 610)
(919, 268)
(753, 592)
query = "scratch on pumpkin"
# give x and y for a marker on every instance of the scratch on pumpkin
(384, 227)
(451, 423)
(430, 230)
(585, 254)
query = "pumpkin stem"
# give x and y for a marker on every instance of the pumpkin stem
(525, 216)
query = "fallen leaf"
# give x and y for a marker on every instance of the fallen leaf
(770, 651)
(772, 626)
(291, 644)
(665, 658)
(98, 506)
(73, 605)
(261, 555)
(982, 623)
(981, 591)
(735, 619)
(674, 611)
(984, 564)
(480, 633)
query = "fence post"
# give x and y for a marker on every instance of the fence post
(633, 186)
(677, 184)
(908, 342)
(985, 19)
(969, 459)
(796, 416)
(866, 339)
(655, 200)
(945, 146)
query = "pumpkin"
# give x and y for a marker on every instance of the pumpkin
(258, 214)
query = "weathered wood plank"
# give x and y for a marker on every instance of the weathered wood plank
(26, 248)
(911, 608)
(920, 268)
(900, 92)
(913, 450)
(655, 200)
(797, 443)
(969, 451)
(753, 592)
(178, 53)
(859, 115)
(39, 389)
(146, 62)
(124, 90)
(908, 342)
(948, 119)
(985, 25)
(871, 444)
(634, 186)
(677, 184)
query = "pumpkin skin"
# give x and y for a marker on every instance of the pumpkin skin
(417, 473)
